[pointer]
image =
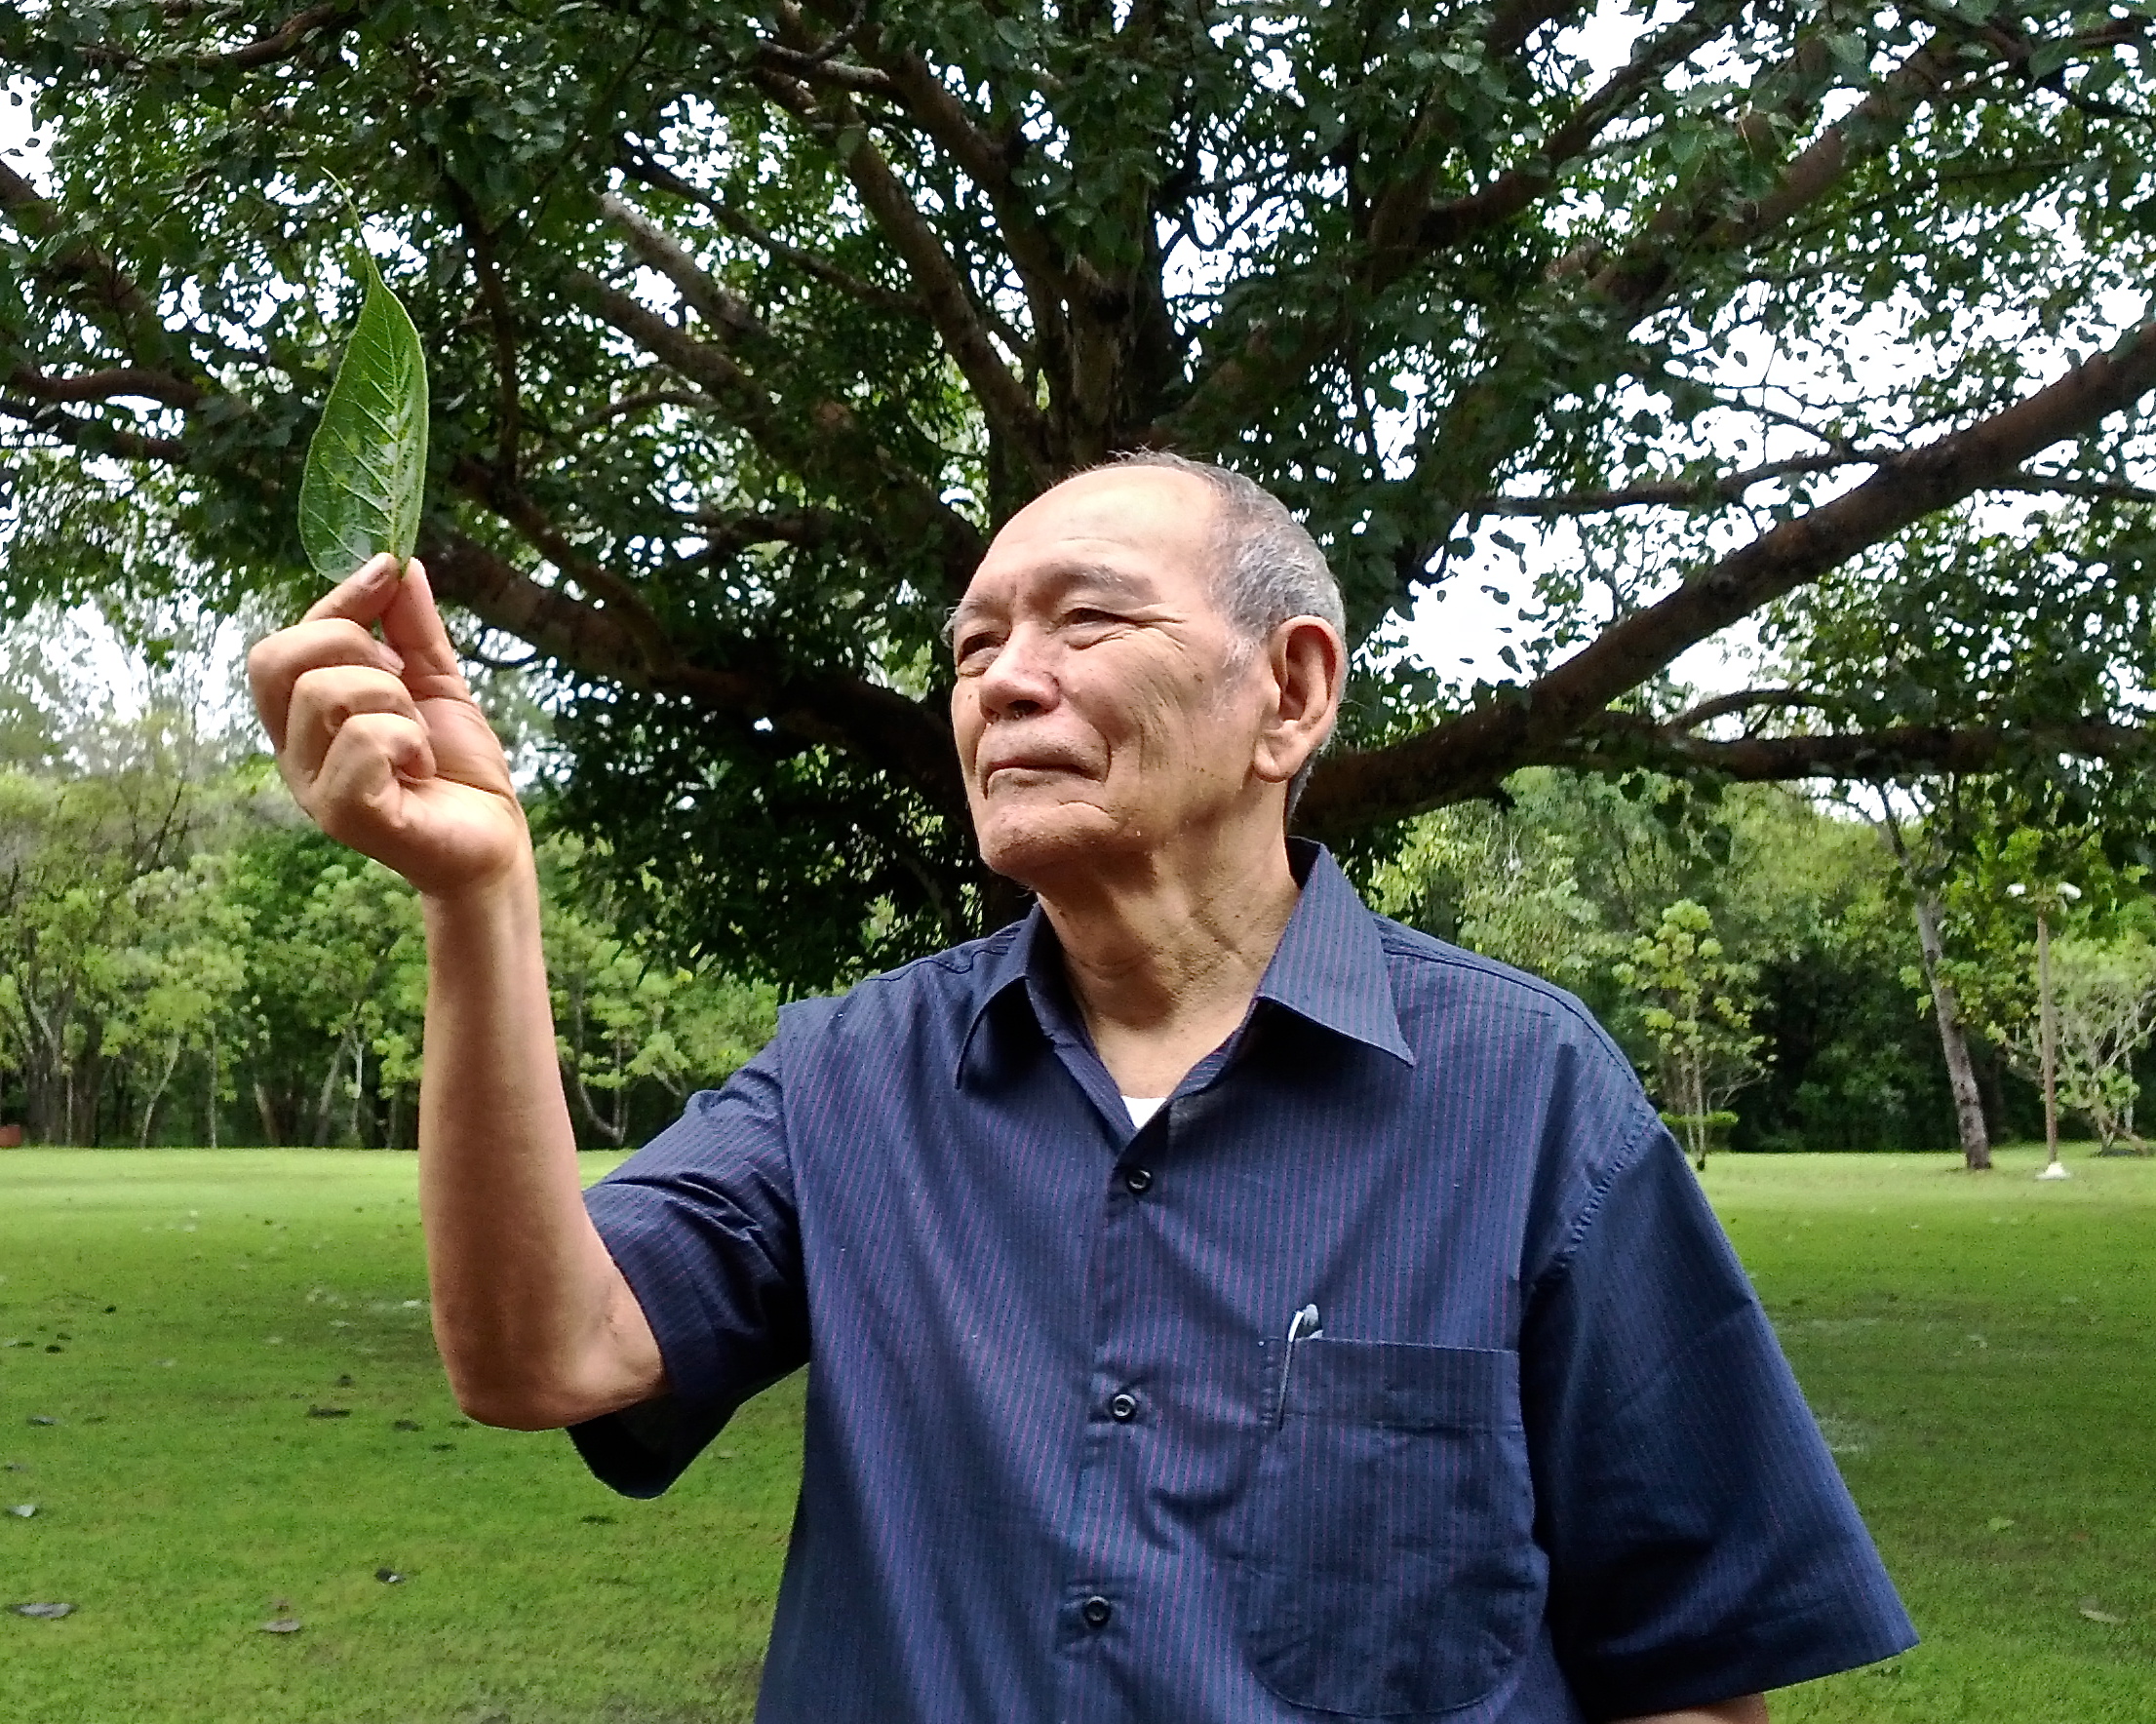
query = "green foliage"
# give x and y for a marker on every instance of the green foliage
(182, 960)
(365, 479)
(1694, 1003)
(748, 324)
(1570, 872)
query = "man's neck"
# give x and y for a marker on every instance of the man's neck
(1164, 955)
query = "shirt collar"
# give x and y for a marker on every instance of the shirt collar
(1328, 968)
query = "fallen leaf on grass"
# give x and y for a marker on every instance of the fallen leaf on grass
(1998, 1524)
(49, 1611)
(389, 1577)
(41, 1419)
(22, 1511)
(2096, 1613)
(328, 1412)
(283, 1626)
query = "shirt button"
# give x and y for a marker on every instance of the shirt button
(1123, 1406)
(1138, 1181)
(1096, 1611)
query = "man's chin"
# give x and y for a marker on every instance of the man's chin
(1034, 848)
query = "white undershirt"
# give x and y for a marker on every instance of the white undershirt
(1143, 1107)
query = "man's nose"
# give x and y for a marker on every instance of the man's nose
(1020, 680)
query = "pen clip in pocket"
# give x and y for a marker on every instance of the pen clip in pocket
(1302, 1326)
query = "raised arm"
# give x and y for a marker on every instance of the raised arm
(386, 751)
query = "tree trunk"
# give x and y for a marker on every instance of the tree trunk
(272, 1132)
(157, 1094)
(2049, 1027)
(1953, 1040)
(326, 1101)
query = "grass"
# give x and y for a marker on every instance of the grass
(1978, 1347)
(209, 1309)
(249, 1423)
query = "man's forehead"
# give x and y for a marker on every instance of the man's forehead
(1128, 528)
(996, 586)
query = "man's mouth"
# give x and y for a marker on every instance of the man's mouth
(1027, 768)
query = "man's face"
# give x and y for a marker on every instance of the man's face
(1100, 708)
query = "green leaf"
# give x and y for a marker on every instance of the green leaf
(366, 468)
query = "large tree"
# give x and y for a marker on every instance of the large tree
(751, 322)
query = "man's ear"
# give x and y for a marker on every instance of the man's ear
(1308, 667)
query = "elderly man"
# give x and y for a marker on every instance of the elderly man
(1227, 1306)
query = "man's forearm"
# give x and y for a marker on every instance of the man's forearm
(534, 1322)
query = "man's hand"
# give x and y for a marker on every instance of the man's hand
(381, 741)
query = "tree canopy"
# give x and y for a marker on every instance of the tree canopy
(750, 322)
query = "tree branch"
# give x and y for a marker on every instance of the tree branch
(1925, 750)
(989, 166)
(499, 492)
(95, 435)
(132, 318)
(282, 42)
(638, 403)
(277, 45)
(1513, 22)
(911, 739)
(1745, 700)
(1011, 414)
(1653, 58)
(640, 167)
(107, 385)
(826, 445)
(1669, 493)
(717, 303)
(1548, 715)
(479, 239)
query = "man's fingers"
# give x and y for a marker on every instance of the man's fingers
(278, 661)
(358, 795)
(413, 626)
(362, 597)
(324, 703)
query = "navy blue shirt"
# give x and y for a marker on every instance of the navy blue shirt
(1534, 1456)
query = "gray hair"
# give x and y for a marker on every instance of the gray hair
(1266, 565)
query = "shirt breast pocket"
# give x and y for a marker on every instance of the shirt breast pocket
(1387, 1566)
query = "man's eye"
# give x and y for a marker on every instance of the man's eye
(971, 648)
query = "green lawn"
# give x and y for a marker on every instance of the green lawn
(248, 1424)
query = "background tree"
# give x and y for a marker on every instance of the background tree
(750, 322)
(2106, 1000)
(183, 960)
(1564, 875)
(1922, 864)
(1694, 1002)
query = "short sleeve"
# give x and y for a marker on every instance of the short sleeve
(702, 1223)
(1701, 1543)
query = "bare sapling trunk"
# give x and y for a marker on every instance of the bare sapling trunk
(1953, 1039)
(157, 1094)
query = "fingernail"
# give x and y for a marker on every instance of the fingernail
(393, 660)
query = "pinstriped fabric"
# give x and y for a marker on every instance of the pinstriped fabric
(1540, 1461)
